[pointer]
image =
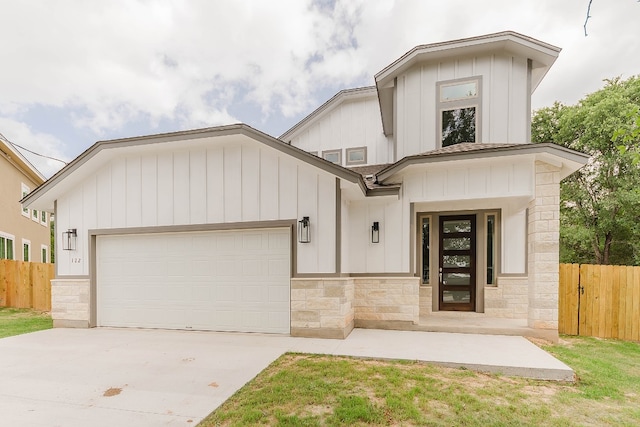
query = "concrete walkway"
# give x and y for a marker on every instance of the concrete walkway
(107, 377)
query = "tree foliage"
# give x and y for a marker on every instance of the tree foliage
(600, 204)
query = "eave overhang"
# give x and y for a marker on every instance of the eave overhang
(569, 160)
(9, 152)
(542, 56)
(43, 197)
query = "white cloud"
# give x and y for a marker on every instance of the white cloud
(48, 145)
(123, 62)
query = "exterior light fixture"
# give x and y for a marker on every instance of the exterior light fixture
(304, 230)
(375, 232)
(69, 239)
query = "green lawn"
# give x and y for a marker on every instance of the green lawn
(312, 390)
(16, 321)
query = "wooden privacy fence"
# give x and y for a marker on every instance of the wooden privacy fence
(599, 301)
(26, 284)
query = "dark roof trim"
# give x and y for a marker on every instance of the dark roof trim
(500, 151)
(234, 129)
(342, 94)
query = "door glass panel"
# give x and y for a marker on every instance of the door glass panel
(456, 296)
(456, 261)
(456, 226)
(456, 243)
(456, 279)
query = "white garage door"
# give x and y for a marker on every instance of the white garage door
(214, 280)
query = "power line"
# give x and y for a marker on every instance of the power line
(30, 151)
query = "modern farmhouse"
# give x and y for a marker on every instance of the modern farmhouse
(416, 199)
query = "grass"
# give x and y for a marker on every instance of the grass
(313, 390)
(16, 321)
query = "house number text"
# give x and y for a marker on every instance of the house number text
(76, 260)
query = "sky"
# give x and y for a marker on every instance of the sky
(75, 72)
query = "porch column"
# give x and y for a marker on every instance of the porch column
(544, 247)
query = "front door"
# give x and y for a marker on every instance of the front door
(457, 263)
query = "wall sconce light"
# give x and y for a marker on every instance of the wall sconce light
(69, 239)
(375, 232)
(304, 230)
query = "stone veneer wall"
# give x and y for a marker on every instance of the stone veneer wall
(509, 299)
(322, 308)
(426, 300)
(70, 303)
(381, 301)
(543, 247)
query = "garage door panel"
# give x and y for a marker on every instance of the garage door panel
(224, 280)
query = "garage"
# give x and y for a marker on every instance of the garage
(236, 280)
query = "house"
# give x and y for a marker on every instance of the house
(24, 232)
(387, 207)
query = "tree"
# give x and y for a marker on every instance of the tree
(599, 204)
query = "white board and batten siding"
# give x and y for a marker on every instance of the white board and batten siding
(504, 114)
(211, 182)
(499, 184)
(352, 123)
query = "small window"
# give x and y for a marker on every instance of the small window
(25, 191)
(334, 156)
(26, 250)
(457, 91)
(35, 215)
(43, 254)
(6, 247)
(43, 218)
(459, 110)
(356, 156)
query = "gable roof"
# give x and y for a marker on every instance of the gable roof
(542, 56)
(9, 152)
(99, 153)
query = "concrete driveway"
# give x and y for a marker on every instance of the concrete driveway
(135, 377)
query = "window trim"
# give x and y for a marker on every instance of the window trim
(44, 259)
(356, 162)
(12, 239)
(24, 190)
(336, 151)
(459, 103)
(43, 222)
(26, 243)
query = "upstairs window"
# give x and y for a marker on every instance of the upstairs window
(25, 190)
(356, 156)
(334, 156)
(458, 109)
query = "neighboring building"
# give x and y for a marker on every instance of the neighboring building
(387, 207)
(24, 233)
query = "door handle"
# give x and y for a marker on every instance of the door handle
(440, 274)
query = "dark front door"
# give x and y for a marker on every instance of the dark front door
(457, 269)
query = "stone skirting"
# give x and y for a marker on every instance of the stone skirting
(70, 303)
(508, 299)
(426, 300)
(386, 299)
(322, 308)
